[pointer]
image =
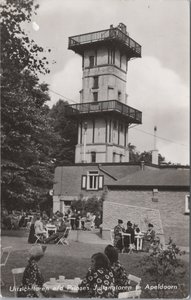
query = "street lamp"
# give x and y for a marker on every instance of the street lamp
(85, 132)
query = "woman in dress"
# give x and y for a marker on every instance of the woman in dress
(32, 238)
(32, 282)
(99, 281)
(119, 272)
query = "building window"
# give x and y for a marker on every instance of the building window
(121, 157)
(95, 84)
(121, 60)
(91, 58)
(119, 95)
(187, 204)
(92, 181)
(93, 156)
(115, 125)
(121, 127)
(95, 96)
(111, 56)
(114, 157)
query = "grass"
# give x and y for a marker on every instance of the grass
(71, 261)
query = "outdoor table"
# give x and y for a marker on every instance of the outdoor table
(50, 228)
(65, 288)
(126, 234)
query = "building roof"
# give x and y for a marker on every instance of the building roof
(155, 177)
(67, 180)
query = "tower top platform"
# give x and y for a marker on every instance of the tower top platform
(114, 36)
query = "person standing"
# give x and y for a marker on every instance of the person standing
(148, 237)
(118, 229)
(129, 239)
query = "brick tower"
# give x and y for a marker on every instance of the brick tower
(103, 115)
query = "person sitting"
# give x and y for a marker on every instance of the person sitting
(148, 238)
(39, 228)
(129, 239)
(32, 282)
(118, 229)
(99, 281)
(119, 272)
(54, 238)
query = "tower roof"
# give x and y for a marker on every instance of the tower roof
(114, 36)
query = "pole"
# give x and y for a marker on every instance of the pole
(85, 131)
(155, 140)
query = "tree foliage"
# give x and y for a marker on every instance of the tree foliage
(19, 52)
(27, 133)
(146, 156)
(66, 128)
(162, 268)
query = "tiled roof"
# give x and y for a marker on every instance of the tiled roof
(67, 181)
(156, 177)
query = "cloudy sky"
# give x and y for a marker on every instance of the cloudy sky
(157, 83)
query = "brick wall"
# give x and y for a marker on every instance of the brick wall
(167, 214)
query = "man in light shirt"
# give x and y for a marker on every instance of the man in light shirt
(39, 228)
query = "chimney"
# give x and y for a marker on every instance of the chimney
(142, 165)
(155, 151)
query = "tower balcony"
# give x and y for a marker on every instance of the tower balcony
(109, 37)
(111, 107)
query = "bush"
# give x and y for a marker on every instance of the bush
(164, 273)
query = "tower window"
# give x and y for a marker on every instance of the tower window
(95, 84)
(91, 58)
(111, 56)
(121, 60)
(114, 156)
(93, 156)
(119, 95)
(121, 127)
(115, 124)
(95, 96)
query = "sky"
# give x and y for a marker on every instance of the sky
(157, 83)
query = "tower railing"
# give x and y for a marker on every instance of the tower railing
(105, 106)
(108, 34)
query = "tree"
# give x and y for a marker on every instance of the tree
(146, 156)
(27, 134)
(67, 129)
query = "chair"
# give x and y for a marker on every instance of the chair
(130, 244)
(112, 236)
(63, 238)
(15, 272)
(6, 251)
(38, 238)
(135, 293)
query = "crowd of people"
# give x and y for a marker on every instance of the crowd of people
(59, 224)
(78, 219)
(125, 238)
(106, 277)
